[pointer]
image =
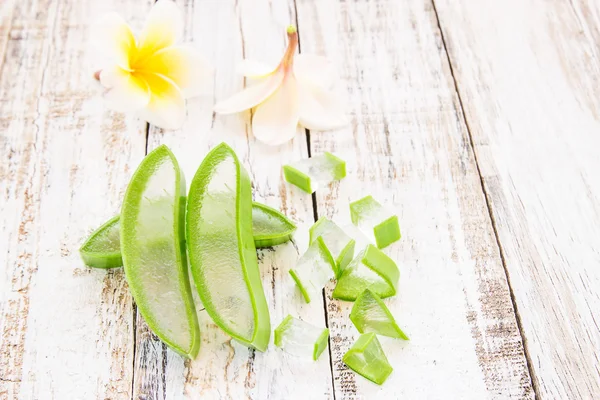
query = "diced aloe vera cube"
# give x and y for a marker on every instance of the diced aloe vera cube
(366, 358)
(378, 223)
(300, 338)
(103, 248)
(340, 245)
(370, 314)
(313, 270)
(309, 174)
(371, 269)
(269, 226)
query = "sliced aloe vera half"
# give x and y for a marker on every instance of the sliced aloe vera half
(378, 223)
(311, 173)
(103, 248)
(370, 314)
(366, 358)
(221, 248)
(269, 226)
(153, 249)
(300, 338)
(370, 269)
(340, 245)
(313, 270)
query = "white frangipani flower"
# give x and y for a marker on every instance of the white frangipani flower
(153, 75)
(297, 91)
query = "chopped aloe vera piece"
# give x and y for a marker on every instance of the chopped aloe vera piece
(103, 248)
(314, 269)
(221, 248)
(309, 174)
(340, 245)
(379, 224)
(300, 338)
(371, 269)
(269, 226)
(153, 249)
(370, 314)
(366, 358)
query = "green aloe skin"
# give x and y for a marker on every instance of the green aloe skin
(370, 314)
(366, 358)
(152, 241)
(221, 248)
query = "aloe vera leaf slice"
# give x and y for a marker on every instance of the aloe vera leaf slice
(313, 270)
(366, 358)
(338, 243)
(378, 223)
(300, 338)
(221, 248)
(153, 249)
(103, 248)
(269, 226)
(370, 314)
(311, 173)
(371, 269)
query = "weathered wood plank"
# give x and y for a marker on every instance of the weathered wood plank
(6, 17)
(528, 74)
(66, 331)
(409, 147)
(225, 369)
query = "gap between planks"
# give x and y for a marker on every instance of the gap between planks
(532, 375)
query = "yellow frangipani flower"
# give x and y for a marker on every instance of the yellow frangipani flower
(152, 75)
(297, 91)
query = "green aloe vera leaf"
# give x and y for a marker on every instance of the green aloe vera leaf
(379, 224)
(313, 270)
(103, 248)
(370, 314)
(153, 249)
(338, 243)
(371, 269)
(221, 248)
(269, 226)
(366, 358)
(311, 173)
(300, 338)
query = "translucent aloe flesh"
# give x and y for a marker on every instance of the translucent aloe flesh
(269, 226)
(370, 269)
(378, 223)
(153, 249)
(340, 245)
(103, 248)
(366, 358)
(300, 338)
(370, 314)
(313, 270)
(221, 248)
(311, 173)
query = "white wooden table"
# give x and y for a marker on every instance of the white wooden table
(478, 121)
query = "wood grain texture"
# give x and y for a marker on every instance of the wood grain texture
(227, 32)
(66, 331)
(408, 146)
(528, 74)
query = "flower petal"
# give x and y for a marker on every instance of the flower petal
(254, 69)
(113, 40)
(163, 28)
(183, 65)
(127, 92)
(251, 96)
(320, 109)
(314, 70)
(166, 108)
(275, 121)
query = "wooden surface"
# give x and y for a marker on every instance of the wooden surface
(477, 122)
